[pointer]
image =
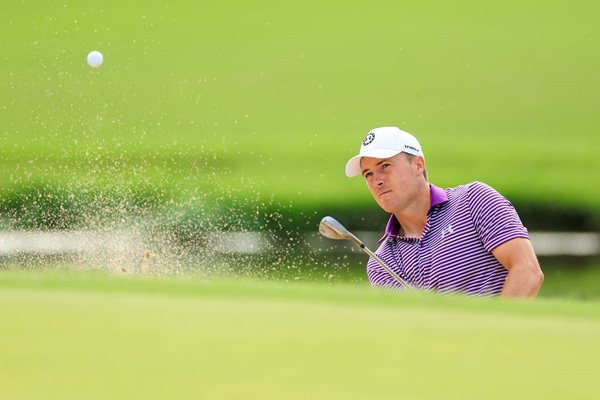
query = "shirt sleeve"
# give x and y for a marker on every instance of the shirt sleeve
(379, 277)
(494, 217)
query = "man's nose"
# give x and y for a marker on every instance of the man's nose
(378, 178)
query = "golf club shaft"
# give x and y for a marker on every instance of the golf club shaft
(392, 273)
(332, 229)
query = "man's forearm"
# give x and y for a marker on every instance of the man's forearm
(523, 282)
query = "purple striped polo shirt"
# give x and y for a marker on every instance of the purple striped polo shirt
(464, 224)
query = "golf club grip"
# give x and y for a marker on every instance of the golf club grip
(392, 273)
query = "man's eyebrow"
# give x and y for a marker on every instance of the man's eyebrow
(378, 164)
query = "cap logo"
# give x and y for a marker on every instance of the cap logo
(411, 147)
(369, 139)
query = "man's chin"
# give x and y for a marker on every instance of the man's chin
(385, 207)
(384, 203)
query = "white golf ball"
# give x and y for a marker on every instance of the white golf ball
(95, 59)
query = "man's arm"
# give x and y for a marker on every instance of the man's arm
(525, 276)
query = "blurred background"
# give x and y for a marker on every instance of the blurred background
(214, 136)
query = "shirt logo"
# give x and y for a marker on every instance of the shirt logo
(447, 230)
(369, 139)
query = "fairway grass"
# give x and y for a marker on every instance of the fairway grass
(68, 335)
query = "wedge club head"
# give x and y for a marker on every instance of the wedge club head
(332, 229)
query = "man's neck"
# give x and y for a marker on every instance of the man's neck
(413, 219)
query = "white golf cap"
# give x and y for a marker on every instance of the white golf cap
(384, 142)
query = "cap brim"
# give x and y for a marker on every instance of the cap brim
(353, 166)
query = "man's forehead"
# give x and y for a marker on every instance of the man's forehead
(370, 162)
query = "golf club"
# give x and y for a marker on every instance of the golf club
(332, 229)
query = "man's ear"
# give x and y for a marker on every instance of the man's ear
(420, 162)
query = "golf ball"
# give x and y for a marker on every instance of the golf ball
(95, 59)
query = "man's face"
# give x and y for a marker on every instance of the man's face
(394, 181)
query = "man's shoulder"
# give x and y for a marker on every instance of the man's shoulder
(474, 188)
(479, 197)
(470, 195)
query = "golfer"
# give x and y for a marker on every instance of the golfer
(468, 239)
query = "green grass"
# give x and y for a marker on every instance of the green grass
(572, 281)
(271, 99)
(90, 335)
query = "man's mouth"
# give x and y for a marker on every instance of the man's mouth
(384, 192)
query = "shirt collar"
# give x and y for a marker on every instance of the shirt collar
(438, 196)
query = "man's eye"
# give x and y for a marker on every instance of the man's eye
(384, 166)
(368, 175)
